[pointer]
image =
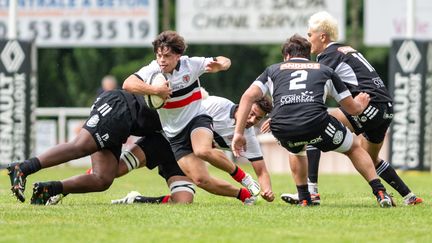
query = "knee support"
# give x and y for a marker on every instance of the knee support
(182, 186)
(130, 160)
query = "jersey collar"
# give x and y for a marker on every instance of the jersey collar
(177, 68)
(233, 110)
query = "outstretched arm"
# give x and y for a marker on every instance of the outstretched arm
(220, 63)
(252, 94)
(264, 180)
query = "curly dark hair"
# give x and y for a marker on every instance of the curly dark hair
(170, 39)
(264, 104)
(296, 46)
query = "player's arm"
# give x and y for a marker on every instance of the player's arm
(355, 106)
(219, 63)
(252, 94)
(338, 90)
(264, 179)
(136, 85)
(265, 126)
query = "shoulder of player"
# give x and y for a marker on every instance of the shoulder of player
(274, 67)
(218, 104)
(220, 99)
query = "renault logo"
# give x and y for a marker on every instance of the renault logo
(408, 56)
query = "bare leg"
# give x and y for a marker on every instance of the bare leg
(81, 146)
(104, 166)
(361, 160)
(139, 154)
(196, 169)
(202, 146)
(299, 168)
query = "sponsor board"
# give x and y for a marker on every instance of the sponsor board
(17, 100)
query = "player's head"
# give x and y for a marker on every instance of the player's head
(323, 29)
(296, 46)
(259, 110)
(168, 47)
(109, 82)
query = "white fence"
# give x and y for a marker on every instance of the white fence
(57, 125)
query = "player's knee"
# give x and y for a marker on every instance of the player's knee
(102, 183)
(204, 154)
(182, 191)
(201, 181)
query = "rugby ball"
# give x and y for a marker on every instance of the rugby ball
(155, 101)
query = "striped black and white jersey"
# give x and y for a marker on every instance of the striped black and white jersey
(144, 119)
(355, 71)
(185, 102)
(299, 90)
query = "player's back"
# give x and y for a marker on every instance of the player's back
(299, 94)
(355, 71)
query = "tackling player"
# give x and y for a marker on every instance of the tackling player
(300, 117)
(224, 113)
(372, 124)
(114, 117)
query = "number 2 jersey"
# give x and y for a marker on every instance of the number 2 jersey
(299, 91)
(355, 71)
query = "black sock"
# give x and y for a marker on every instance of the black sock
(386, 171)
(376, 186)
(142, 199)
(30, 166)
(303, 193)
(235, 171)
(313, 155)
(56, 187)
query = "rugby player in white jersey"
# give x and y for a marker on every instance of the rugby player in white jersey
(223, 112)
(183, 118)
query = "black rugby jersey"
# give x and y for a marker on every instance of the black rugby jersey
(144, 119)
(299, 94)
(355, 71)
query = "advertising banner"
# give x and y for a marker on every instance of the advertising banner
(411, 87)
(251, 21)
(18, 97)
(84, 23)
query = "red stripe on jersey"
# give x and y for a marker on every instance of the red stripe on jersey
(184, 102)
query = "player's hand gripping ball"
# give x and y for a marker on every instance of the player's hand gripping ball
(155, 101)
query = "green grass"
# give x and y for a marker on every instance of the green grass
(348, 213)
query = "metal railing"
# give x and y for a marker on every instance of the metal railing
(62, 114)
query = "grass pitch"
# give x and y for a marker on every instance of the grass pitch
(348, 213)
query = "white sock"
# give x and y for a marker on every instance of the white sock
(312, 187)
(408, 196)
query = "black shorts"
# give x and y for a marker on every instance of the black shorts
(373, 122)
(181, 144)
(330, 136)
(158, 153)
(110, 122)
